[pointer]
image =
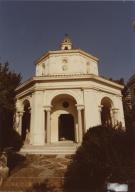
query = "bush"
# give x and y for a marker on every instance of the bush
(102, 157)
(13, 140)
(41, 187)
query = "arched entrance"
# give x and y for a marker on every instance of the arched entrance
(66, 127)
(106, 117)
(63, 119)
(26, 121)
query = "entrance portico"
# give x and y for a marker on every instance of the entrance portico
(63, 120)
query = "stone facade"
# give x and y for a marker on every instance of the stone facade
(65, 98)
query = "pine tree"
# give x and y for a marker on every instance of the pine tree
(9, 80)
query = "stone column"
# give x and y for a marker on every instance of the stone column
(16, 123)
(115, 116)
(28, 131)
(20, 113)
(37, 135)
(48, 125)
(30, 118)
(80, 131)
(100, 111)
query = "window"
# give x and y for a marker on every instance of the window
(65, 104)
(66, 48)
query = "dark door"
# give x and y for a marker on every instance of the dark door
(25, 124)
(106, 116)
(66, 127)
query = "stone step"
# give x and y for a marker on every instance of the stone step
(38, 172)
(49, 149)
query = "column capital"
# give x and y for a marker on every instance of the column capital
(115, 110)
(79, 107)
(29, 108)
(100, 108)
(47, 107)
(20, 113)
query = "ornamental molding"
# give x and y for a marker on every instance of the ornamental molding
(66, 77)
(47, 107)
(79, 106)
(24, 93)
(66, 53)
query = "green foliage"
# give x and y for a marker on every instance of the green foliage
(8, 82)
(129, 114)
(105, 155)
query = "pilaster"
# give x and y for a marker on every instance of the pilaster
(48, 123)
(80, 131)
(37, 135)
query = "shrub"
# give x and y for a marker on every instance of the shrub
(105, 155)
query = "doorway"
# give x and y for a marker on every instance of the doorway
(66, 127)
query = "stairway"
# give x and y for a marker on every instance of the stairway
(51, 149)
(38, 173)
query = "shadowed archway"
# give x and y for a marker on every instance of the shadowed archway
(26, 120)
(66, 127)
(106, 117)
(64, 119)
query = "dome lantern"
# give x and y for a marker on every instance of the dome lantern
(66, 44)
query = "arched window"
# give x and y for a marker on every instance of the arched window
(66, 48)
(106, 118)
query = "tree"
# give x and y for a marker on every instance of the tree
(104, 156)
(129, 114)
(9, 80)
(119, 81)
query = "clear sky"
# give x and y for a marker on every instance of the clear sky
(104, 29)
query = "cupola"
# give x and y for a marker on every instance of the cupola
(66, 44)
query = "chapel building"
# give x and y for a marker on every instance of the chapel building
(65, 98)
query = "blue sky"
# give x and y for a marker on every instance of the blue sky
(104, 29)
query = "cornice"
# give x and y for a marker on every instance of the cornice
(73, 87)
(27, 83)
(30, 85)
(61, 52)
